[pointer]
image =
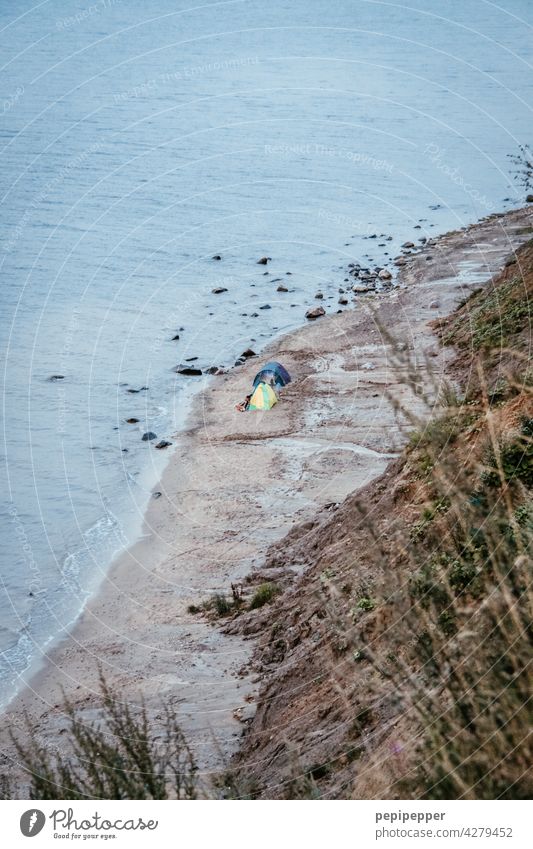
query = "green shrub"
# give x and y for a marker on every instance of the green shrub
(264, 594)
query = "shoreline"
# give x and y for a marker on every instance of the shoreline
(236, 484)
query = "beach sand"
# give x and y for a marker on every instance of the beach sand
(237, 483)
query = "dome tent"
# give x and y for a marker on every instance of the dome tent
(274, 374)
(263, 397)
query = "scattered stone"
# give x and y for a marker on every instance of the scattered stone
(54, 377)
(361, 288)
(188, 371)
(248, 353)
(148, 436)
(282, 288)
(163, 444)
(408, 245)
(265, 307)
(400, 262)
(429, 259)
(263, 260)
(132, 420)
(190, 359)
(135, 391)
(217, 256)
(385, 274)
(343, 300)
(314, 313)
(215, 370)
(319, 296)
(218, 290)
(529, 199)
(156, 494)
(176, 337)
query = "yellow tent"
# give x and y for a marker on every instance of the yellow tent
(263, 398)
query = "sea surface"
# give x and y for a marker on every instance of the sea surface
(138, 140)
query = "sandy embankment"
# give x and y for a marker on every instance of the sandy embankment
(238, 482)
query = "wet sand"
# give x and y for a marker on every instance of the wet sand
(237, 483)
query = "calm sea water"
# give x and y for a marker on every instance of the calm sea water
(138, 140)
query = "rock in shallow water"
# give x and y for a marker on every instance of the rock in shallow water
(317, 312)
(188, 371)
(148, 436)
(163, 444)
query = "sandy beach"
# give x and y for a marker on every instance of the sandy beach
(236, 485)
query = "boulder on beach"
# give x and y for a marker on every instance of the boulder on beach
(314, 313)
(319, 296)
(217, 257)
(361, 288)
(385, 274)
(164, 443)
(263, 260)
(408, 245)
(343, 300)
(148, 436)
(282, 288)
(248, 353)
(400, 261)
(529, 199)
(215, 370)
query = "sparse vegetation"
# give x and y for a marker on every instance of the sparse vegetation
(264, 594)
(121, 755)
(443, 659)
